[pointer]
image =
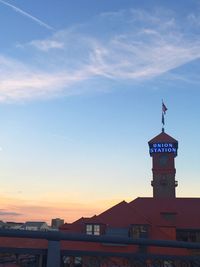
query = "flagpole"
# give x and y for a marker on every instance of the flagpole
(162, 118)
(164, 109)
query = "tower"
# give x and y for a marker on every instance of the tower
(163, 150)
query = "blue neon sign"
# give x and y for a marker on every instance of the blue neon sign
(163, 148)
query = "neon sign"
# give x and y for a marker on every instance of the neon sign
(163, 148)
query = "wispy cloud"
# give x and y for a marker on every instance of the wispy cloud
(142, 46)
(21, 81)
(46, 45)
(17, 9)
(9, 213)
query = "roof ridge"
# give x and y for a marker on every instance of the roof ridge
(118, 204)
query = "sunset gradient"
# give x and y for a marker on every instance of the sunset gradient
(81, 89)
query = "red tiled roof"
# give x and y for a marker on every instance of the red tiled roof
(163, 137)
(146, 211)
(186, 210)
(120, 215)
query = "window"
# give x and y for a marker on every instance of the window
(96, 229)
(139, 231)
(188, 235)
(168, 216)
(92, 229)
(89, 228)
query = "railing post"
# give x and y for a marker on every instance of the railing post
(53, 254)
(39, 260)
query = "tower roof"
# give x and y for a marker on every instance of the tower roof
(163, 137)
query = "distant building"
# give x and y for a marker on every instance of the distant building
(2, 224)
(35, 226)
(56, 223)
(13, 225)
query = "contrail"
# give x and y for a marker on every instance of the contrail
(27, 15)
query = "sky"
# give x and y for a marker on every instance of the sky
(81, 86)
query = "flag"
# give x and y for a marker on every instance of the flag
(164, 108)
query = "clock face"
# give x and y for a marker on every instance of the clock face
(163, 159)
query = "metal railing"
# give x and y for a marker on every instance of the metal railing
(55, 256)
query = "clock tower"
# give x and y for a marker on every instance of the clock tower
(163, 150)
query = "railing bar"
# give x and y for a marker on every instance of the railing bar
(58, 236)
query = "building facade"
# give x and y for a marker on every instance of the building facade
(56, 223)
(161, 217)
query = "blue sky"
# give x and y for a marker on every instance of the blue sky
(81, 85)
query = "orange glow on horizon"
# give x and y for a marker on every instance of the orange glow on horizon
(20, 210)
